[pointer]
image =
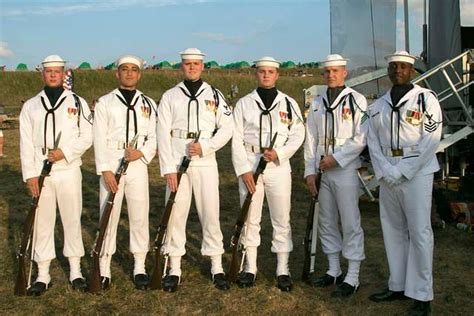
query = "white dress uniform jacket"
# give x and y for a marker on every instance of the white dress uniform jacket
(38, 129)
(180, 117)
(404, 159)
(253, 131)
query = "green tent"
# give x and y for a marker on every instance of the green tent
(110, 66)
(177, 66)
(84, 65)
(237, 65)
(212, 65)
(163, 65)
(288, 64)
(21, 67)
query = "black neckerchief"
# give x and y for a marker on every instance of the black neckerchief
(53, 95)
(331, 95)
(397, 92)
(130, 108)
(266, 110)
(267, 96)
(128, 94)
(193, 86)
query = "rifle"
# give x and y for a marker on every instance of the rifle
(26, 247)
(95, 279)
(160, 266)
(310, 238)
(239, 225)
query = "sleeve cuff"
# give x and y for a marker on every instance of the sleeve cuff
(103, 167)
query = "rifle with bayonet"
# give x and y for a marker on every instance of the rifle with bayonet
(161, 259)
(25, 250)
(95, 278)
(244, 210)
(311, 234)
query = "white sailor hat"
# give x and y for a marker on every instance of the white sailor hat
(130, 59)
(267, 61)
(53, 61)
(402, 56)
(192, 53)
(334, 60)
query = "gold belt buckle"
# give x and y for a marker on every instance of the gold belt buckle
(397, 152)
(191, 135)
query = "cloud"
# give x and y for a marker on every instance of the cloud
(74, 7)
(5, 52)
(220, 38)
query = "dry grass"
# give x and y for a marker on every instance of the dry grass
(454, 275)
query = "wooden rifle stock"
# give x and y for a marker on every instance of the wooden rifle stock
(157, 274)
(26, 247)
(244, 210)
(95, 278)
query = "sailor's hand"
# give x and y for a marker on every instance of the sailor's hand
(194, 149)
(247, 178)
(172, 181)
(33, 186)
(327, 162)
(55, 155)
(110, 182)
(132, 154)
(311, 184)
(270, 155)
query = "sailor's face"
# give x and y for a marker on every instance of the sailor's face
(53, 76)
(335, 76)
(192, 69)
(128, 75)
(400, 72)
(267, 76)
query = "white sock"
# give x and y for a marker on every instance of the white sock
(282, 263)
(251, 260)
(352, 276)
(216, 264)
(334, 265)
(139, 266)
(175, 265)
(43, 271)
(74, 268)
(104, 263)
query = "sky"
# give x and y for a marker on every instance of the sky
(156, 30)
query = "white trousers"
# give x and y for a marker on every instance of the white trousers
(134, 185)
(405, 214)
(203, 182)
(339, 200)
(275, 184)
(64, 188)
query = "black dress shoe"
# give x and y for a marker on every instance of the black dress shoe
(388, 296)
(246, 279)
(38, 288)
(170, 283)
(220, 282)
(284, 283)
(420, 308)
(79, 284)
(141, 281)
(105, 283)
(327, 280)
(344, 290)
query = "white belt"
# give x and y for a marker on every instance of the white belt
(179, 133)
(116, 144)
(255, 148)
(329, 141)
(330, 148)
(403, 151)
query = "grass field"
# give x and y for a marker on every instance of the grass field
(453, 256)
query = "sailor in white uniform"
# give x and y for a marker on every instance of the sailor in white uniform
(404, 133)
(336, 130)
(193, 106)
(119, 116)
(53, 112)
(258, 117)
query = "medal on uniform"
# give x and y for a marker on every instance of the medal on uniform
(413, 117)
(71, 112)
(145, 111)
(211, 105)
(284, 117)
(346, 114)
